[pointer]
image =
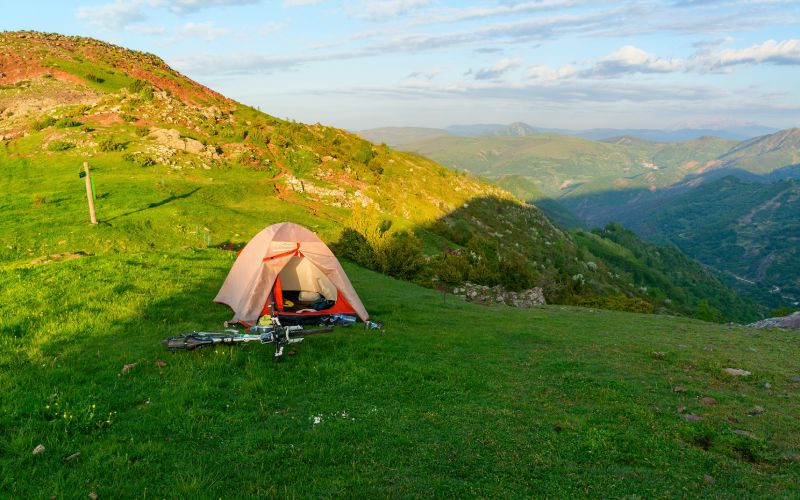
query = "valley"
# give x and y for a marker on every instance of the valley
(696, 195)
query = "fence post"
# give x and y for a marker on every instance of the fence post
(89, 192)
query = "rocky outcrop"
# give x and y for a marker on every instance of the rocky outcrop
(791, 321)
(482, 294)
(172, 138)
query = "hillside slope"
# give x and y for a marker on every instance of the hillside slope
(176, 164)
(750, 231)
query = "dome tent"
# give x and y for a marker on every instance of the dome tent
(286, 260)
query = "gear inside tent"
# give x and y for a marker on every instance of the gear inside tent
(289, 266)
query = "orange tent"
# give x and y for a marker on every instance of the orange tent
(287, 260)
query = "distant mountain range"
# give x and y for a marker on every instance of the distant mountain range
(397, 136)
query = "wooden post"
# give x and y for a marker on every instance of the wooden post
(89, 194)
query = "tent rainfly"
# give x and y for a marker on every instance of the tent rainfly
(288, 265)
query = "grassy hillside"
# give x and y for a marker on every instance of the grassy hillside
(765, 154)
(453, 400)
(666, 274)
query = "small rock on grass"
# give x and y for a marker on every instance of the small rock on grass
(39, 449)
(161, 363)
(767, 385)
(708, 401)
(93, 495)
(679, 388)
(756, 410)
(795, 378)
(681, 408)
(128, 367)
(737, 372)
(691, 417)
(744, 433)
(72, 457)
(709, 479)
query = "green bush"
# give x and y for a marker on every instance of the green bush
(67, 122)
(706, 312)
(617, 302)
(401, 257)
(42, 124)
(354, 246)
(137, 86)
(94, 78)
(139, 159)
(108, 144)
(60, 145)
(783, 311)
(515, 273)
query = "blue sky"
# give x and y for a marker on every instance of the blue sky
(553, 63)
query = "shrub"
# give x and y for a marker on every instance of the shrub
(94, 78)
(60, 145)
(42, 124)
(108, 144)
(147, 93)
(706, 312)
(139, 159)
(450, 268)
(354, 246)
(67, 122)
(142, 131)
(514, 273)
(401, 256)
(137, 86)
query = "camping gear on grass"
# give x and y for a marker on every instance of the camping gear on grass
(287, 263)
(276, 334)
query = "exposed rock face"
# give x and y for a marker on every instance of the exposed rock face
(498, 295)
(172, 138)
(791, 321)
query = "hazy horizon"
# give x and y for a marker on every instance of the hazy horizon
(572, 64)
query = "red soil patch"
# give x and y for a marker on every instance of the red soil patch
(14, 68)
(105, 119)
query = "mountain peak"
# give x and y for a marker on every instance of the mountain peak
(515, 129)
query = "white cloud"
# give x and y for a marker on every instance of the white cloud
(299, 3)
(630, 59)
(463, 14)
(496, 70)
(545, 73)
(205, 31)
(113, 15)
(384, 10)
(124, 13)
(786, 52)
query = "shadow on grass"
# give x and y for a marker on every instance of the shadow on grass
(165, 201)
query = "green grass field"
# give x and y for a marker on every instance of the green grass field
(453, 399)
